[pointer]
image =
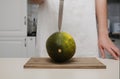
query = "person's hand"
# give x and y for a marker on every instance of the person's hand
(36, 1)
(105, 43)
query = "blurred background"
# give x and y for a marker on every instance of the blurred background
(114, 21)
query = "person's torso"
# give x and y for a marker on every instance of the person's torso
(78, 20)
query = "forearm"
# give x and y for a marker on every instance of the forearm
(101, 13)
(104, 41)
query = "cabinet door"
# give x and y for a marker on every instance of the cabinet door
(13, 47)
(13, 17)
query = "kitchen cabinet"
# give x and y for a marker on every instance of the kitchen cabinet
(17, 47)
(13, 47)
(13, 17)
(13, 30)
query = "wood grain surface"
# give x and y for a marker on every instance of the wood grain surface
(74, 63)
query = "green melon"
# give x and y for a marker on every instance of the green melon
(60, 46)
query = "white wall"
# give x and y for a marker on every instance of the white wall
(78, 20)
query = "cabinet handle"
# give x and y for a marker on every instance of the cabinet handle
(31, 39)
(25, 20)
(25, 43)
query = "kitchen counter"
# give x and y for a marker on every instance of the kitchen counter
(12, 68)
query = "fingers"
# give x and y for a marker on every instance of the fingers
(36, 1)
(107, 44)
(116, 50)
(113, 50)
(102, 52)
(113, 54)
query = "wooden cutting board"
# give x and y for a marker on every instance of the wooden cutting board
(74, 63)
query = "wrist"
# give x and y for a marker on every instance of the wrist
(103, 30)
(103, 34)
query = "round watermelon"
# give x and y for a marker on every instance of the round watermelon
(60, 46)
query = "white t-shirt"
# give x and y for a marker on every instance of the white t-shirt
(79, 20)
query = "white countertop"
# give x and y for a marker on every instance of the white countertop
(12, 68)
